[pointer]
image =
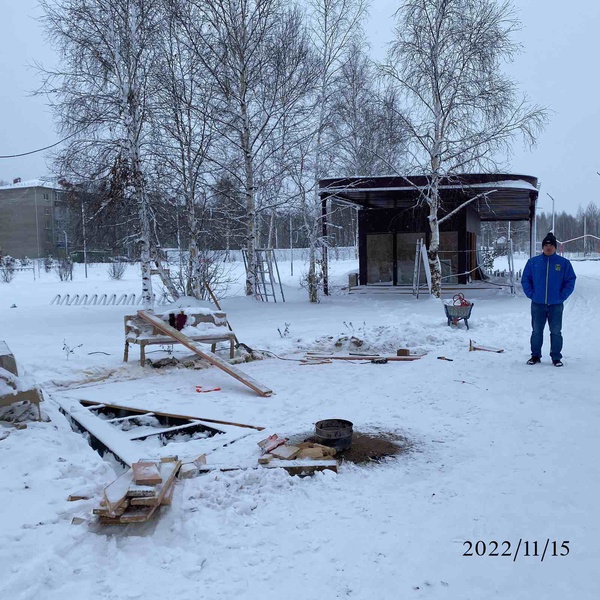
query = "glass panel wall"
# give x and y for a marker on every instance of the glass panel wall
(406, 244)
(379, 258)
(449, 256)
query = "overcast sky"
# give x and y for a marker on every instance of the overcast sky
(558, 69)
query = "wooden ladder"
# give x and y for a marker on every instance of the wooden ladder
(267, 274)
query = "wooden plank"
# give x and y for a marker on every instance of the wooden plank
(285, 452)
(146, 473)
(90, 404)
(141, 491)
(103, 511)
(113, 439)
(150, 501)
(119, 419)
(168, 497)
(293, 467)
(77, 497)
(153, 340)
(303, 467)
(142, 513)
(216, 303)
(365, 357)
(168, 471)
(141, 436)
(116, 492)
(474, 346)
(7, 359)
(260, 389)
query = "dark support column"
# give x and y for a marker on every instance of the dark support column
(394, 258)
(532, 202)
(462, 253)
(324, 244)
(362, 246)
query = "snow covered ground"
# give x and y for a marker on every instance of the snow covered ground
(502, 452)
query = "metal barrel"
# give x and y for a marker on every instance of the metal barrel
(336, 433)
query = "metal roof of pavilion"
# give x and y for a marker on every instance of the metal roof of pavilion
(510, 197)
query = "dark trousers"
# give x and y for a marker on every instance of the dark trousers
(540, 313)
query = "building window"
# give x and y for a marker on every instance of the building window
(46, 196)
(47, 211)
(47, 225)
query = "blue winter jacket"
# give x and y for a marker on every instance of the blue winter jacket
(548, 279)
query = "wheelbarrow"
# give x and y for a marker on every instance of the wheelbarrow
(458, 312)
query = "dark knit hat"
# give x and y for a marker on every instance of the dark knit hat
(549, 239)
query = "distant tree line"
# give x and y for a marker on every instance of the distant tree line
(566, 227)
(569, 227)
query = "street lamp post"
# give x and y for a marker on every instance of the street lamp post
(552, 213)
(66, 244)
(84, 238)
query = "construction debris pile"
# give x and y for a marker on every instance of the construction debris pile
(275, 447)
(13, 388)
(135, 496)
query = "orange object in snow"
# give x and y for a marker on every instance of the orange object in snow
(201, 391)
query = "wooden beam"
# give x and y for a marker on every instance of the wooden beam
(146, 473)
(115, 494)
(368, 357)
(141, 411)
(106, 434)
(260, 389)
(216, 303)
(293, 467)
(175, 428)
(137, 416)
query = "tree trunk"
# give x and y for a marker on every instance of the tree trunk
(250, 200)
(250, 228)
(139, 192)
(434, 258)
(147, 293)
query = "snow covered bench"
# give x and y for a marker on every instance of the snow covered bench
(200, 324)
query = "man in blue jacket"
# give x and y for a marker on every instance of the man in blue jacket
(548, 280)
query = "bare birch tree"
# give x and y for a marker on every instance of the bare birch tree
(241, 52)
(335, 26)
(100, 95)
(461, 111)
(369, 137)
(184, 132)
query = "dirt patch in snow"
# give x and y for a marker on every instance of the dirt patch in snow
(367, 447)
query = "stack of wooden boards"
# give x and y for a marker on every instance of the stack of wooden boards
(302, 458)
(135, 496)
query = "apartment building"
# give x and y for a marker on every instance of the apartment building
(33, 218)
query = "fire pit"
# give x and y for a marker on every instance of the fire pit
(336, 433)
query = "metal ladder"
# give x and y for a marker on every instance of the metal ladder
(267, 274)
